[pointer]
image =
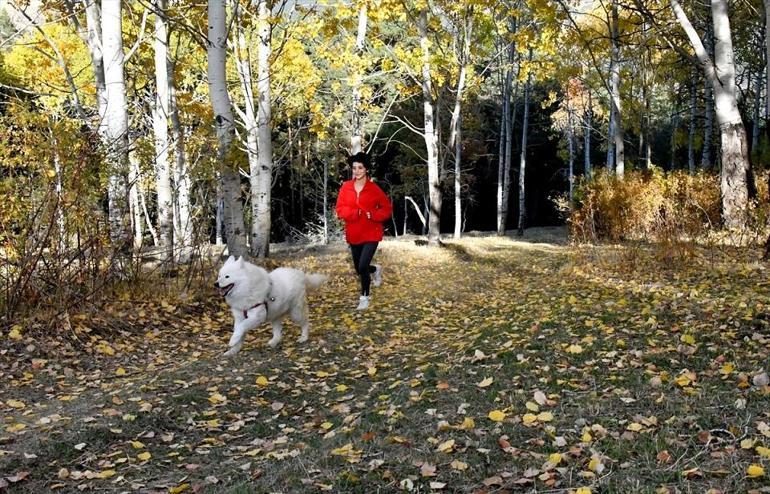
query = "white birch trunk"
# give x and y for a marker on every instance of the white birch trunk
(571, 145)
(587, 124)
(501, 165)
(135, 202)
(115, 122)
(767, 66)
(260, 195)
(160, 118)
(431, 141)
(232, 221)
(356, 144)
(523, 156)
(721, 73)
(755, 117)
(617, 127)
(508, 109)
(693, 117)
(455, 126)
(183, 228)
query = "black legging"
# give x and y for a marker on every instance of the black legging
(362, 258)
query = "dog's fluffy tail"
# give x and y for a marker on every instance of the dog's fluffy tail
(313, 281)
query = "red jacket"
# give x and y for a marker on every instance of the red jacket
(352, 208)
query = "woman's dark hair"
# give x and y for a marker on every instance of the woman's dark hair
(360, 157)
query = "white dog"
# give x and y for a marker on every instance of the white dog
(255, 297)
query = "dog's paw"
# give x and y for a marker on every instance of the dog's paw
(302, 339)
(233, 341)
(274, 342)
(231, 352)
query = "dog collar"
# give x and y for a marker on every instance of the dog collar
(246, 311)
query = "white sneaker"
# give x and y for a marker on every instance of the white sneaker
(363, 302)
(377, 279)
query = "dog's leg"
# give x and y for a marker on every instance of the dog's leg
(277, 334)
(234, 349)
(299, 315)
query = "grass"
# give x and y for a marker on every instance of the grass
(373, 402)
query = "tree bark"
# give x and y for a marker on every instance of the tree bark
(115, 123)
(617, 127)
(693, 116)
(767, 67)
(721, 73)
(523, 156)
(160, 118)
(232, 202)
(431, 140)
(455, 127)
(357, 134)
(262, 182)
(587, 124)
(506, 142)
(183, 227)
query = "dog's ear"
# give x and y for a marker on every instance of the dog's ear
(240, 262)
(230, 259)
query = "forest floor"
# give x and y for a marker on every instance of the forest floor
(490, 365)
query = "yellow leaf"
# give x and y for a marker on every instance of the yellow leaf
(754, 470)
(120, 371)
(343, 451)
(583, 490)
(555, 458)
(468, 424)
(545, 416)
(762, 451)
(532, 406)
(105, 474)
(322, 374)
(137, 444)
(14, 334)
(496, 416)
(15, 403)
(179, 488)
(262, 381)
(213, 423)
(683, 380)
(586, 437)
(574, 349)
(747, 444)
(446, 446)
(688, 339)
(485, 382)
(144, 456)
(459, 465)
(727, 369)
(327, 425)
(636, 427)
(371, 371)
(341, 388)
(217, 398)
(529, 418)
(15, 427)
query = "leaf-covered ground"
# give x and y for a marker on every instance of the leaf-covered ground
(490, 365)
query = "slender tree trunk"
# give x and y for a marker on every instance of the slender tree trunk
(431, 141)
(506, 140)
(230, 184)
(617, 127)
(183, 227)
(523, 156)
(160, 118)
(767, 67)
(755, 116)
(455, 127)
(135, 202)
(115, 123)
(587, 124)
(356, 139)
(571, 144)
(501, 164)
(674, 126)
(260, 195)
(693, 118)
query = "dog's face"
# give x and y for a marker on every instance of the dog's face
(231, 274)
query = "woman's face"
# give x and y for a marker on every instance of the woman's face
(359, 170)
